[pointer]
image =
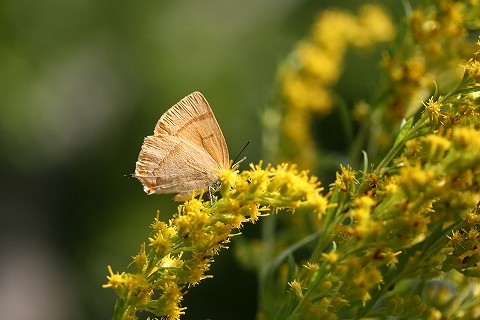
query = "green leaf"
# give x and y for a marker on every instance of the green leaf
(365, 161)
(403, 131)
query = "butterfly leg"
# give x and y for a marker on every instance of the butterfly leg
(214, 187)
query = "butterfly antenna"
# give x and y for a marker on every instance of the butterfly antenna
(235, 162)
(130, 175)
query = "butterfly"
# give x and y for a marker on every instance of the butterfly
(185, 152)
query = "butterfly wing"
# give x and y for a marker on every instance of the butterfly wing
(192, 119)
(169, 164)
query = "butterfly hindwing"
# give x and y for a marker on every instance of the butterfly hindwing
(169, 164)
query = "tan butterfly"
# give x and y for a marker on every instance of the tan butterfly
(185, 151)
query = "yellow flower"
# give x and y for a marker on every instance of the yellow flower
(140, 260)
(456, 238)
(433, 110)
(435, 146)
(414, 179)
(319, 63)
(376, 24)
(467, 138)
(305, 93)
(311, 267)
(317, 203)
(390, 257)
(169, 302)
(132, 288)
(331, 257)
(345, 180)
(391, 186)
(169, 262)
(364, 281)
(472, 69)
(296, 287)
(365, 203)
(473, 218)
(333, 29)
(161, 239)
(197, 266)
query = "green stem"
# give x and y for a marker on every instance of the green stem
(268, 238)
(119, 311)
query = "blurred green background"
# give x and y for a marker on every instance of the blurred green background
(81, 83)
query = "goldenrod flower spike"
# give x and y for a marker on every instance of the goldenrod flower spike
(180, 251)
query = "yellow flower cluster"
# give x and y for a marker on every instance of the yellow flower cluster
(316, 64)
(436, 42)
(419, 219)
(181, 251)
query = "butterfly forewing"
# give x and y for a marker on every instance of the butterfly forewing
(192, 119)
